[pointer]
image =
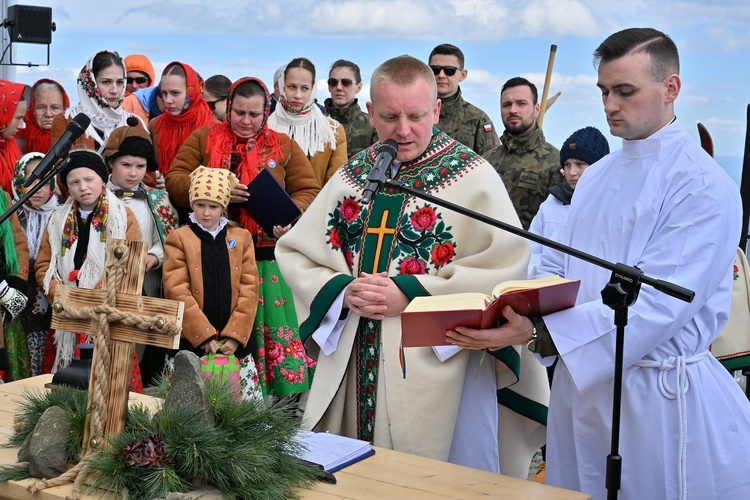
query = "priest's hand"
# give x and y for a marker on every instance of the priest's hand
(374, 296)
(516, 331)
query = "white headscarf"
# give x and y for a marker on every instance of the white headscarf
(104, 117)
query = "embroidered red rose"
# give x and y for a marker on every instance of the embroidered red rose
(274, 354)
(349, 210)
(334, 238)
(410, 265)
(443, 253)
(424, 219)
(297, 349)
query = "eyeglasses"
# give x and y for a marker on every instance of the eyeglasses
(212, 104)
(140, 80)
(54, 109)
(334, 82)
(449, 70)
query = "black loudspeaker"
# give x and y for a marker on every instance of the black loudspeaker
(29, 24)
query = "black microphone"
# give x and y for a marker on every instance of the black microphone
(386, 154)
(60, 148)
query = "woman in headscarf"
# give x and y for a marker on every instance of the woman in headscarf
(13, 104)
(245, 145)
(321, 138)
(101, 88)
(47, 100)
(184, 111)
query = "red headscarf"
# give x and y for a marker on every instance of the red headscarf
(174, 130)
(10, 95)
(37, 139)
(256, 152)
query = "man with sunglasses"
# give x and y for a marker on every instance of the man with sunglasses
(527, 163)
(344, 83)
(140, 72)
(459, 119)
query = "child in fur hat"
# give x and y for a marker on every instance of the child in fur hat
(209, 264)
(74, 245)
(584, 147)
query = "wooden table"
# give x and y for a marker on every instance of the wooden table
(387, 474)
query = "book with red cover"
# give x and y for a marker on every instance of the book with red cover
(426, 319)
(269, 204)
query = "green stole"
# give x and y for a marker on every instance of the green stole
(380, 237)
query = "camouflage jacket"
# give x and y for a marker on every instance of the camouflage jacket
(359, 133)
(467, 124)
(529, 166)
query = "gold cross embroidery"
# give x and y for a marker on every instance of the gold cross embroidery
(381, 231)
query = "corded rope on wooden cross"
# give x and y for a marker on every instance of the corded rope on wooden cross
(104, 314)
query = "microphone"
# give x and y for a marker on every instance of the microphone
(60, 148)
(386, 154)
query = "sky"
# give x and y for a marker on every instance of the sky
(500, 39)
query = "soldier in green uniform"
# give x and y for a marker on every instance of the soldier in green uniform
(459, 119)
(344, 82)
(526, 162)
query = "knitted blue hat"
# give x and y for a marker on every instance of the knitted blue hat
(586, 144)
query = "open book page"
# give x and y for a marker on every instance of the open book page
(510, 286)
(468, 300)
(332, 451)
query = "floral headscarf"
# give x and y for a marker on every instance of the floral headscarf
(33, 220)
(104, 117)
(172, 131)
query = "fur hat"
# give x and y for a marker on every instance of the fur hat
(85, 158)
(139, 62)
(131, 139)
(586, 144)
(212, 184)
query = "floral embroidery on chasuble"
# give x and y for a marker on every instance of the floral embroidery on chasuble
(398, 234)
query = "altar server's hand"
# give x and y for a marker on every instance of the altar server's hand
(516, 331)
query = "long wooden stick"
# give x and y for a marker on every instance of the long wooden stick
(547, 78)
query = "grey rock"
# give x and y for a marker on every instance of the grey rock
(23, 451)
(202, 493)
(47, 444)
(188, 388)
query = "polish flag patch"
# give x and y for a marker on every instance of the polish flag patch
(488, 127)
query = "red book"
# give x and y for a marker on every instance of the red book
(426, 319)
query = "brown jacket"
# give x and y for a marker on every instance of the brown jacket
(183, 280)
(19, 238)
(45, 254)
(295, 174)
(326, 162)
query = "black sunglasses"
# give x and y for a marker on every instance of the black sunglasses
(449, 70)
(140, 80)
(212, 104)
(334, 82)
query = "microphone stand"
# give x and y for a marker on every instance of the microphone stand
(56, 169)
(618, 294)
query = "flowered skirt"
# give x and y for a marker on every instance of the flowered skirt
(283, 365)
(249, 382)
(17, 349)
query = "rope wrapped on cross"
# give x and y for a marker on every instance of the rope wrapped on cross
(104, 315)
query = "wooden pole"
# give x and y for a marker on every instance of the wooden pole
(545, 91)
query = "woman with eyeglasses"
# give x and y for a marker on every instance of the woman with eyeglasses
(215, 94)
(101, 89)
(47, 100)
(344, 83)
(321, 138)
(245, 145)
(185, 111)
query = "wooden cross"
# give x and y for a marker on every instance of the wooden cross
(122, 337)
(381, 231)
